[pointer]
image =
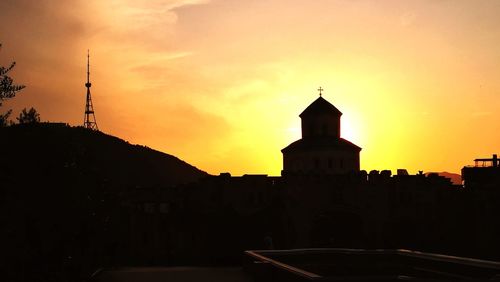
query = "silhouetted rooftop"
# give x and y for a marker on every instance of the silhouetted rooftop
(323, 143)
(320, 106)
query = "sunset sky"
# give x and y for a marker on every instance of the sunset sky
(220, 84)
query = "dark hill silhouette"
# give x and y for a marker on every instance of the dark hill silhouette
(64, 197)
(56, 149)
(454, 177)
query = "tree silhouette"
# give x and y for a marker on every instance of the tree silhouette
(28, 117)
(7, 89)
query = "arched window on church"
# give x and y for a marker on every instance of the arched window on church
(324, 130)
(341, 162)
(330, 163)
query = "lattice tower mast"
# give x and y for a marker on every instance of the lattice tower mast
(89, 119)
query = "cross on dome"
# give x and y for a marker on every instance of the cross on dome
(320, 90)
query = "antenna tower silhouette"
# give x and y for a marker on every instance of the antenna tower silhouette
(89, 120)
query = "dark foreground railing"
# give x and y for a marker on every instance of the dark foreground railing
(366, 265)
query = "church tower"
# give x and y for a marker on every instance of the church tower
(320, 119)
(321, 149)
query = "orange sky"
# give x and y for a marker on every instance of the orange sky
(220, 84)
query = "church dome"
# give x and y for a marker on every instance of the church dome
(320, 106)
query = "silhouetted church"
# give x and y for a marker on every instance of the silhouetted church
(321, 149)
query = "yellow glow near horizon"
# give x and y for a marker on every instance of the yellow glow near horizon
(220, 84)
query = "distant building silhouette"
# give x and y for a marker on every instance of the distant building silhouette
(321, 149)
(484, 175)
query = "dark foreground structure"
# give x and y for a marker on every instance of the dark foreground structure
(320, 265)
(366, 265)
